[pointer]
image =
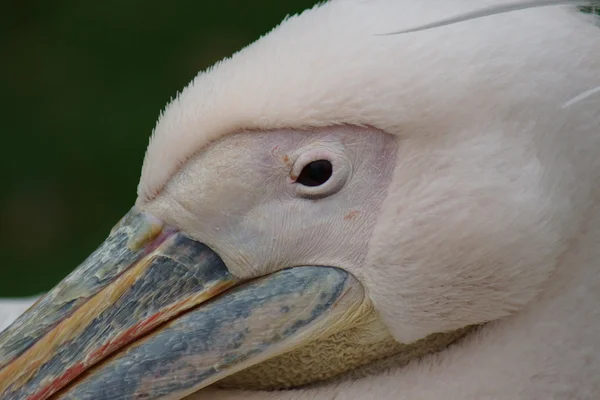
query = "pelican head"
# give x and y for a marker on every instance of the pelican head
(329, 197)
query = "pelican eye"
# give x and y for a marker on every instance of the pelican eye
(315, 173)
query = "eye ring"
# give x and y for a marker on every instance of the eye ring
(327, 173)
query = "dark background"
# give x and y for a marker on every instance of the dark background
(82, 84)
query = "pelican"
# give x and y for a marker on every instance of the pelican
(386, 199)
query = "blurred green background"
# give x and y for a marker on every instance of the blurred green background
(82, 84)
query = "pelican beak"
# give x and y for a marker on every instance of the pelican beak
(134, 320)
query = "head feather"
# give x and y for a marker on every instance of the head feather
(328, 66)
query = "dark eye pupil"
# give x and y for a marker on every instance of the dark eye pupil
(316, 173)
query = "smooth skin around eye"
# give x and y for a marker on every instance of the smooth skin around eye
(256, 215)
